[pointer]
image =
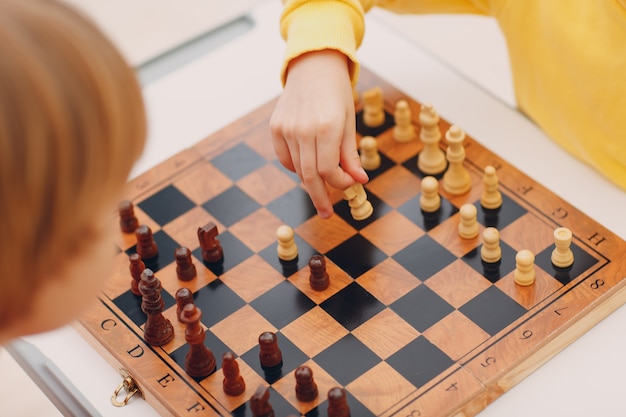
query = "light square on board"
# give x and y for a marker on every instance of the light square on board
(388, 281)
(286, 386)
(528, 232)
(395, 186)
(327, 331)
(529, 296)
(251, 278)
(184, 229)
(385, 333)
(325, 234)
(258, 230)
(456, 335)
(392, 232)
(241, 329)
(203, 183)
(338, 280)
(262, 190)
(380, 387)
(458, 283)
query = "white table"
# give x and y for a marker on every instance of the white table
(200, 97)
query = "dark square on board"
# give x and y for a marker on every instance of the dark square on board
(166, 205)
(356, 255)
(347, 359)
(231, 206)
(238, 161)
(502, 217)
(293, 208)
(352, 306)
(216, 301)
(424, 257)
(282, 304)
(421, 307)
(492, 310)
(582, 262)
(420, 361)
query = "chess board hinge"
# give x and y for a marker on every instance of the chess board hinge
(129, 385)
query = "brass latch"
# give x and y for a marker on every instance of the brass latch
(129, 385)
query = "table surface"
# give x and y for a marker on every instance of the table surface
(202, 96)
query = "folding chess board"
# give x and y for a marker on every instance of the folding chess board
(413, 323)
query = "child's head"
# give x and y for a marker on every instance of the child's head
(72, 124)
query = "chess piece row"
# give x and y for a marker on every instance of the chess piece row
(337, 398)
(147, 247)
(431, 160)
(561, 256)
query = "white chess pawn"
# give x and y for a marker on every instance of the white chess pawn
(524, 268)
(370, 158)
(360, 207)
(373, 107)
(491, 198)
(562, 255)
(287, 248)
(490, 252)
(431, 160)
(468, 226)
(403, 131)
(430, 200)
(456, 179)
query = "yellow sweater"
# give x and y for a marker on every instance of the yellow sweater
(568, 59)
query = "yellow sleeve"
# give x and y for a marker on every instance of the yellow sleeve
(313, 25)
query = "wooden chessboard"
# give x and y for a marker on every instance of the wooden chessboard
(413, 323)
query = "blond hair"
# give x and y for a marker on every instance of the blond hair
(72, 124)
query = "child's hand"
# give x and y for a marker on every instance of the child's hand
(313, 126)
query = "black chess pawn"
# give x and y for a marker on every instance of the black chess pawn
(259, 403)
(270, 355)
(135, 267)
(128, 220)
(200, 361)
(146, 246)
(338, 403)
(233, 383)
(158, 330)
(318, 278)
(306, 388)
(184, 296)
(185, 269)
